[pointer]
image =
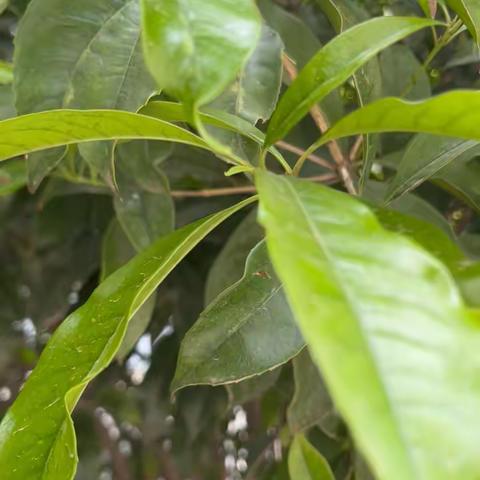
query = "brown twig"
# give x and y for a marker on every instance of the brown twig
(322, 124)
(353, 155)
(243, 190)
(299, 151)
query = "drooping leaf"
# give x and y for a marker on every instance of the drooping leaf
(306, 463)
(429, 7)
(424, 156)
(116, 252)
(42, 446)
(393, 315)
(334, 64)
(233, 338)
(194, 49)
(97, 63)
(453, 114)
(469, 12)
(38, 131)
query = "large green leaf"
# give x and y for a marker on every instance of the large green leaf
(453, 114)
(334, 64)
(38, 131)
(385, 323)
(469, 12)
(248, 330)
(37, 439)
(424, 156)
(81, 55)
(195, 48)
(306, 463)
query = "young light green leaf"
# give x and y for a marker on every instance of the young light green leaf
(469, 12)
(37, 439)
(393, 315)
(29, 133)
(334, 64)
(306, 463)
(233, 340)
(6, 72)
(189, 50)
(424, 156)
(453, 114)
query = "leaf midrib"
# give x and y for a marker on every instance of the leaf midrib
(341, 286)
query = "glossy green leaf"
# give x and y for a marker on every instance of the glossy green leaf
(189, 50)
(453, 114)
(334, 64)
(116, 252)
(306, 463)
(469, 12)
(233, 338)
(80, 349)
(86, 54)
(53, 128)
(393, 315)
(424, 156)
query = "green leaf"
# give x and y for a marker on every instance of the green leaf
(13, 176)
(116, 252)
(334, 64)
(98, 63)
(6, 70)
(175, 112)
(393, 315)
(233, 339)
(194, 49)
(453, 114)
(311, 404)
(80, 349)
(29, 133)
(429, 7)
(424, 156)
(306, 463)
(469, 12)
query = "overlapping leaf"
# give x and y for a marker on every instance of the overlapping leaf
(385, 323)
(306, 463)
(37, 439)
(334, 64)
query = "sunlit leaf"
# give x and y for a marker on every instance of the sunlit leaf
(188, 49)
(334, 64)
(393, 315)
(80, 349)
(469, 12)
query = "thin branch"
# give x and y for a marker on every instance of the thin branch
(327, 178)
(355, 150)
(299, 151)
(322, 125)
